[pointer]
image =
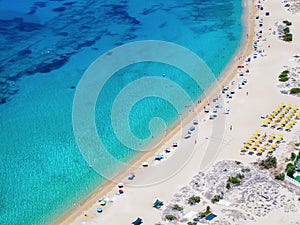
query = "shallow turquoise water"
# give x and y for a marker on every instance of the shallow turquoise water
(42, 170)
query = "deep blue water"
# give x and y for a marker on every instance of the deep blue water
(45, 48)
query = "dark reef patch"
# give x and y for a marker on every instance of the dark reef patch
(47, 67)
(24, 52)
(32, 11)
(153, 9)
(59, 9)
(63, 34)
(68, 3)
(40, 4)
(28, 27)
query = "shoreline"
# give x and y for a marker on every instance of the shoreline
(225, 77)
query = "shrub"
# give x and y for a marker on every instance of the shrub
(192, 223)
(280, 176)
(170, 217)
(290, 170)
(177, 207)
(234, 180)
(228, 186)
(193, 200)
(283, 79)
(246, 170)
(288, 37)
(207, 212)
(269, 162)
(293, 156)
(286, 30)
(282, 75)
(295, 91)
(286, 22)
(216, 198)
(297, 145)
(240, 176)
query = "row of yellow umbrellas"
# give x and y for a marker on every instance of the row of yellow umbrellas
(260, 143)
(284, 116)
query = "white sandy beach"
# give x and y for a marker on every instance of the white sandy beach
(213, 140)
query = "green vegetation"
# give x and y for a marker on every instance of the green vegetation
(240, 176)
(283, 77)
(246, 170)
(280, 176)
(290, 170)
(177, 207)
(228, 186)
(293, 156)
(286, 30)
(170, 217)
(295, 91)
(285, 73)
(206, 213)
(297, 144)
(269, 162)
(287, 35)
(286, 22)
(193, 200)
(234, 180)
(192, 223)
(216, 198)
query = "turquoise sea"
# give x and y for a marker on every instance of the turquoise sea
(45, 48)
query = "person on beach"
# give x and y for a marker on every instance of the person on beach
(230, 128)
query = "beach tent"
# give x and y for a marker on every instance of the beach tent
(158, 204)
(159, 157)
(145, 164)
(192, 128)
(99, 210)
(168, 150)
(175, 145)
(138, 221)
(131, 176)
(102, 202)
